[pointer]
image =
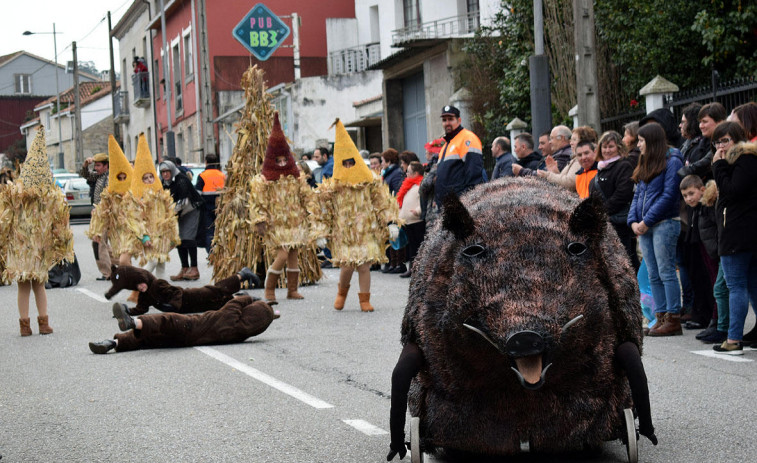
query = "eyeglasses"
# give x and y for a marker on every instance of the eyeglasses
(722, 141)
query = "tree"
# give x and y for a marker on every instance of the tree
(729, 33)
(88, 67)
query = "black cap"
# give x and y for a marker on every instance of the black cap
(450, 111)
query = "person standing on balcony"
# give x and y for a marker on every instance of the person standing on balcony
(140, 68)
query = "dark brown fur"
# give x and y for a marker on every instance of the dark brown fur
(467, 396)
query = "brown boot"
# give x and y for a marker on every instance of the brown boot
(180, 275)
(670, 327)
(341, 295)
(192, 274)
(270, 286)
(365, 302)
(293, 277)
(133, 297)
(26, 329)
(44, 328)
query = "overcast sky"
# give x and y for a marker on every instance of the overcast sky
(83, 21)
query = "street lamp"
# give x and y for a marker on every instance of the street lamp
(57, 89)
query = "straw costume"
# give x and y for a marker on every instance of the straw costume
(279, 196)
(35, 232)
(110, 217)
(352, 209)
(150, 209)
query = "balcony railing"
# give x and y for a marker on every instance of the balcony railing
(456, 26)
(355, 59)
(140, 82)
(121, 107)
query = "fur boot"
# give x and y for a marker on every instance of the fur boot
(44, 328)
(365, 302)
(271, 280)
(293, 277)
(341, 296)
(180, 276)
(26, 329)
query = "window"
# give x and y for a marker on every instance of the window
(188, 60)
(23, 83)
(412, 11)
(176, 58)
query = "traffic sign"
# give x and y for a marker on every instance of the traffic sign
(261, 32)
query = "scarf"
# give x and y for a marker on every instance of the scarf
(406, 185)
(602, 164)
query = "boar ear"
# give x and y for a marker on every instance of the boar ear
(589, 218)
(456, 218)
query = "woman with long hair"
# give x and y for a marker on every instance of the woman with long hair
(653, 217)
(746, 115)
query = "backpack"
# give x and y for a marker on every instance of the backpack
(63, 275)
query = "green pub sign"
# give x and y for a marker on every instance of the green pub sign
(261, 32)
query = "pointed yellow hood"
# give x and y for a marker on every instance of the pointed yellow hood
(345, 149)
(36, 173)
(143, 164)
(118, 165)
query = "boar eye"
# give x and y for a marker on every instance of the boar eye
(117, 275)
(576, 249)
(474, 250)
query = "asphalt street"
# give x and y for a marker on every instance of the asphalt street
(314, 387)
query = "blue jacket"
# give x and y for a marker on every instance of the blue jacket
(393, 177)
(504, 166)
(328, 168)
(660, 198)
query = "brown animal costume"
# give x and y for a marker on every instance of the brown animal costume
(110, 217)
(523, 324)
(279, 196)
(34, 230)
(168, 298)
(352, 209)
(150, 211)
(237, 320)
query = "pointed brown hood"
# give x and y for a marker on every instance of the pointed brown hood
(278, 146)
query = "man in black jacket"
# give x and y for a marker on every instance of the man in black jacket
(529, 161)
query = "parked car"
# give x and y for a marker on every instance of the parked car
(60, 177)
(76, 192)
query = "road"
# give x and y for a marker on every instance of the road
(314, 387)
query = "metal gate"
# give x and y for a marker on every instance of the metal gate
(414, 111)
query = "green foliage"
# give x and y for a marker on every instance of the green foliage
(495, 68)
(728, 30)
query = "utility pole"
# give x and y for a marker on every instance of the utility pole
(586, 64)
(538, 63)
(168, 138)
(77, 113)
(113, 91)
(296, 44)
(208, 130)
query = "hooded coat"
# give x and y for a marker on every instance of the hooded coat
(736, 178)
(658, 199)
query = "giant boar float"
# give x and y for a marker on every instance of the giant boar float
(523, 326)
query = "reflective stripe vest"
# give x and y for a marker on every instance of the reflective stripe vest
(460, 165)
(213, 180)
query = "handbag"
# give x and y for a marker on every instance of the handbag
(401, 240)
(184, 206)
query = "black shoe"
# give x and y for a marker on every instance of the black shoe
(715, 337)
(401, 268)
(711, 328)
(407, 274)
(102, 347)
(249, 279)
(125, 322)
(729, 348)
(326, 264)
(387, 269)
(692, 325)
(750, 337)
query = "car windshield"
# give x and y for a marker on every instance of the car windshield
(77, 184)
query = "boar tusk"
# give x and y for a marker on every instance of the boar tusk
(473, 328)
(570, 323)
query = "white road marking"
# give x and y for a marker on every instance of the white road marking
(366, 427)
(713, 354)
(94, 296)
(264, 378)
